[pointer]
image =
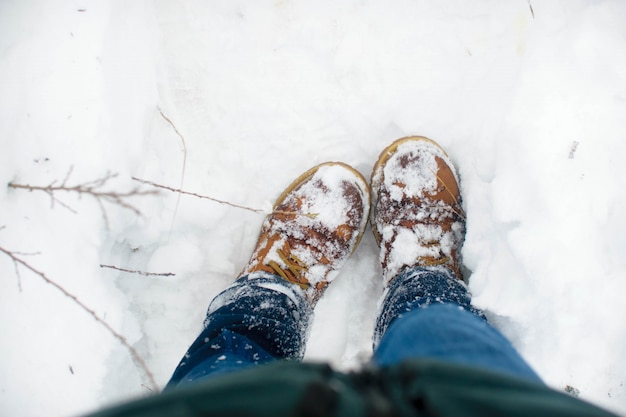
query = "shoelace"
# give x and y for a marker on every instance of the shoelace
(431, 260)
(294, 265)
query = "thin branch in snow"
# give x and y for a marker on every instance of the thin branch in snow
(184, 168)
(178, 190)
(260, 211)
(18, 275)
(17, 270)
(132, 271)
(15, 265)
(17, 261)
(93, 189)
(532, 12)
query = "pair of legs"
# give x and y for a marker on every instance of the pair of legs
(419, 225)
(426, 313)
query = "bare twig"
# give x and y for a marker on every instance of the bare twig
(17, 270)
(532, 12)
(182, 174)
(90, 188)
(260, 211)
(132, 271)
(19, 276)
(178, 190)
(133, 352)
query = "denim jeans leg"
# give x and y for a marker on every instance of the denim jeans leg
(258, 319)
(427, 313)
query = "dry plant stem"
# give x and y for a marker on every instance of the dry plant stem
(17, 270)
(147, 387)
(132, 271)
(18, 275)
(182, 174)
(90, 188)
(133, 352)
(177, 190)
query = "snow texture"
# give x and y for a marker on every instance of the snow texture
(528, 98)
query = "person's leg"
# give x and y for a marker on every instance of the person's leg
(258, 319)
(427, 314)
(419, 287)
(316, 224)
(419, 224)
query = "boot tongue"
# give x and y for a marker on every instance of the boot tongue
(448, 189)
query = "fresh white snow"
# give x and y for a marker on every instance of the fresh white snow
(528, 98)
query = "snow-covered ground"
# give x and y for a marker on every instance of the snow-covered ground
(528, 98)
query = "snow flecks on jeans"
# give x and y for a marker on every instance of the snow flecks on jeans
(271, 311)
(257, 319)
(419, 288)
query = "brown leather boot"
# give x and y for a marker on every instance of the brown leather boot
(417, 218)
(315, 226)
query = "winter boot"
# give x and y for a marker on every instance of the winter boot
(315, 226)
(417, 218)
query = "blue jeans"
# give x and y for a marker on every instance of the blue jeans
(426, 312)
